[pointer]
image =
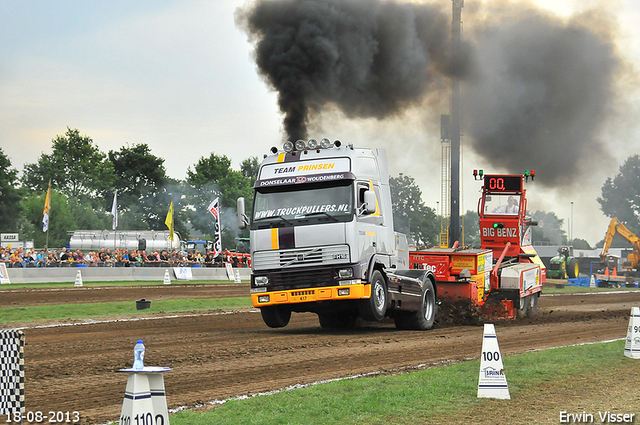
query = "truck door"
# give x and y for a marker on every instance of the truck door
(368, 224)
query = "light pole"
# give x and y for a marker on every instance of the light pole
(571, 226)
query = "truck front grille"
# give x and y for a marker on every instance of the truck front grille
(302, 279)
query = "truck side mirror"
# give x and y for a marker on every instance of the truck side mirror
(243, 220)
(369, 204)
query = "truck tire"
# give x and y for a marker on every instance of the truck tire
(420, 320)
(572, 269)
(375, 307)
(338, 320)
(275, 316)
(524, 307)
(533, 305)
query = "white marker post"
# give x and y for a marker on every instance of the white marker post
(493, 381)
(229, 271)
(145, 401)
(632, 346)
(78, 283)
(167, 278)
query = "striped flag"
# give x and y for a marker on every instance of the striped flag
(47, 208)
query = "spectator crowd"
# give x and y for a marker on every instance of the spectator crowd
(118, 258)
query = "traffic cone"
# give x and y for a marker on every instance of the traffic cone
(614, 274)
(606, 272)
(492, 382)
(632, 346)
(167, 278)
(78, 283)
(592, 282)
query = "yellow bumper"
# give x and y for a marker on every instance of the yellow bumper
(355, 292)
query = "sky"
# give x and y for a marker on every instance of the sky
(180, 76)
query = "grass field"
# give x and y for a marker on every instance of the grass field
(590, 378)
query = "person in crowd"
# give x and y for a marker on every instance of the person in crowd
(174, 258)
(17, 259)
(137, 257)
(31, 257)
(52, 260)
(144, 257)
(78, 256)
(64, 257)
(101, 255)
(208, 259)
(90, 259)
(41, 258)
(124, 257)
(154, 258)
(2, 259)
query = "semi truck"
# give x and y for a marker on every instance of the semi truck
(322, 240)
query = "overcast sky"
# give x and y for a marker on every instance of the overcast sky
(179, 76)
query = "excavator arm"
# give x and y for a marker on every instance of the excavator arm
(616, 226)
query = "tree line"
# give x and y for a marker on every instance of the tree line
(84, 179)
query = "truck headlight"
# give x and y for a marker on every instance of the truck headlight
(343, 291)
(312, 144)
(288, 146)
(345, 273)
(325, 143)
(261, 280)
(300, 145)
(263, 299)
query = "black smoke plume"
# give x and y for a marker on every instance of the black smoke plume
(541, 92)
(536, 90)
(368, 58)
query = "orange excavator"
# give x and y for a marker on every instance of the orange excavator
(632, 264)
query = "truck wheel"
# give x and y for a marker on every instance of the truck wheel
(533, 305)
(375, 307)
(573, 270)
(275, 316)
(420, 320)
(338, 320)
(524, 307)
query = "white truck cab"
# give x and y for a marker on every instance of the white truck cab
(322, 239)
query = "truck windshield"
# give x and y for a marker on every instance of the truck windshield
(500, 204)
(297, 204)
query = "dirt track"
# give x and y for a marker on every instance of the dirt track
(219, 355)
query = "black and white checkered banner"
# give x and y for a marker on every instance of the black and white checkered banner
(11, 371)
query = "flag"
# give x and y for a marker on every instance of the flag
(214, 209)
(47, 208)
(169, 221)
(114, 209)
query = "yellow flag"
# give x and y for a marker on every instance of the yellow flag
(169, 221)
(47, 208)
